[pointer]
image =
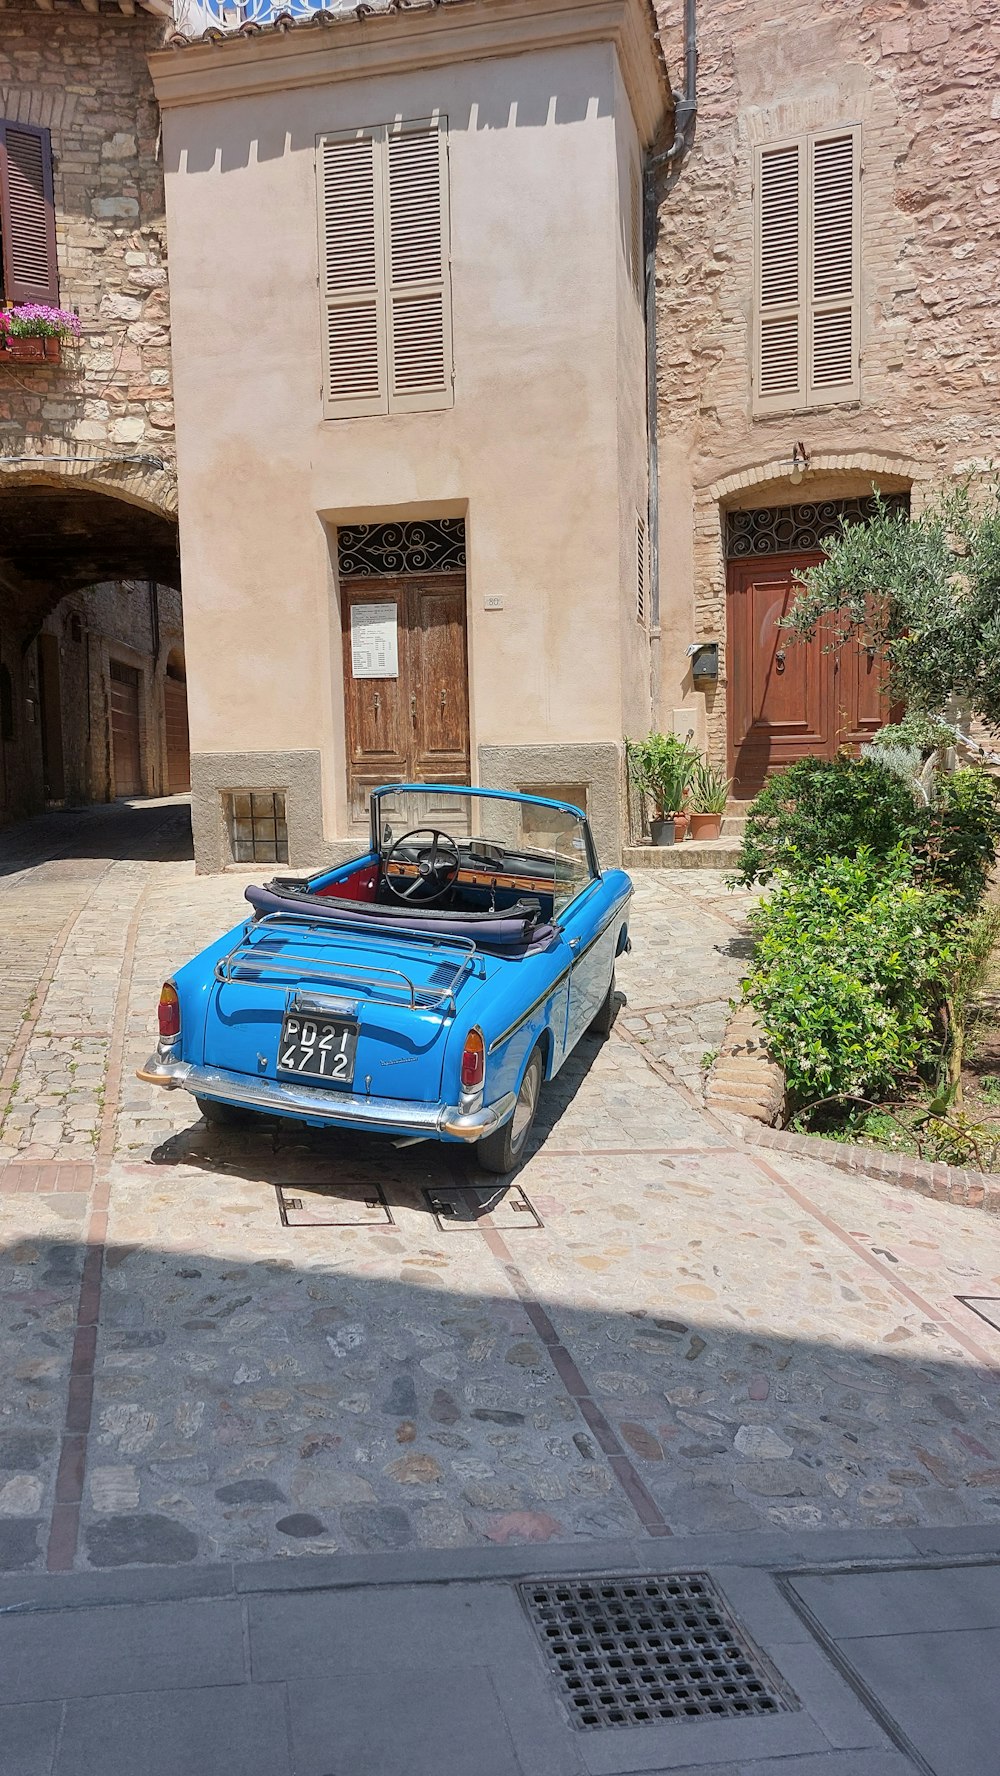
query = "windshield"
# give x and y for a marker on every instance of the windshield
(550, 843)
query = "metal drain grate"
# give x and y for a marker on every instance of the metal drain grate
(629, 1652)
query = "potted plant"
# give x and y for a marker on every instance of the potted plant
(708, 796)
(661, 766)
(33, 332)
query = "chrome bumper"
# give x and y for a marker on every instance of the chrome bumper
(395, 1116)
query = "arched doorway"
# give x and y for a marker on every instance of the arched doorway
(88, 559)
(176, 724)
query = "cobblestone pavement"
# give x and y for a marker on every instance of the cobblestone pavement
(695, 1337)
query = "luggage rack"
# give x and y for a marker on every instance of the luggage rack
(290, 968)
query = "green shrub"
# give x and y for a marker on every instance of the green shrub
(960, 832)
(853, 960)
(924, 733)
(820, 808)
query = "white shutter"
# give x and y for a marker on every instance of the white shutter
(834, 268)
(779, 277)
(417, 267)
(352, 273)
(807, 244)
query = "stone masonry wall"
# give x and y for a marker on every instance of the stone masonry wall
(923, 82)
(84, 76)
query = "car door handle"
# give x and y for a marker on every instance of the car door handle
(574, 943)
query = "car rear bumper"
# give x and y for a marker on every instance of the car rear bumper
(396, 1116)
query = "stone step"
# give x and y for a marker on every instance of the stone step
(733, 826)
(717, 854)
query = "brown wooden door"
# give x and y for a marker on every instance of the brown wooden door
(414, 726)
(125, 746)
(789, 699)
(175, 719)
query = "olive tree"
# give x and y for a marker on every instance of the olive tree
(925, 591)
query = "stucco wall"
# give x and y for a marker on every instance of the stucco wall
(922, 83)
(530, 452)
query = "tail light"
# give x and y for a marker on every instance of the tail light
(168, 1012)
(473, 1060)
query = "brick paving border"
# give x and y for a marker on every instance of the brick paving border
(945, 1183)
(746, 1089)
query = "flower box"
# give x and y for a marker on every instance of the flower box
(32, 349)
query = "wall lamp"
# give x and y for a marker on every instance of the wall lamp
(800, 462)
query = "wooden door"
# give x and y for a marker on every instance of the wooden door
(175, 719)
(126, 751)
(405, 683)
(780, 690)
(790, 699)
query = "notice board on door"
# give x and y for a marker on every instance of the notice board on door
(375, 640)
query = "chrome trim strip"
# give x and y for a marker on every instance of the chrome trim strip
(513, 1028)
(395, 1115)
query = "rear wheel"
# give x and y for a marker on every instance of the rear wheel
(223, 1115)
(601, 1025)
(502, 1151)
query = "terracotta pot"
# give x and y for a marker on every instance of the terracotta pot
(680, 827)
(53, 351)
(30, 350)
(706, 826)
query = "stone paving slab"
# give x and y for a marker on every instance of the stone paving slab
(698, 1337)
(422, 1679)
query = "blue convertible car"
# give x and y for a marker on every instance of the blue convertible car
(424, 990)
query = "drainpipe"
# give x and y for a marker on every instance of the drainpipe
(685, 114)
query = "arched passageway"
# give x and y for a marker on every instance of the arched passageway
(90, 616)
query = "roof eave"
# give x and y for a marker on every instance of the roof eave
(327, 47)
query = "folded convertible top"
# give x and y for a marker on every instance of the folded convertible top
(518, 924)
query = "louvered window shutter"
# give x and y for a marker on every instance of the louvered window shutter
(834, 269)
(640, 567)
(352, 273)
(27, 214)
(418, 283)
(779, 355)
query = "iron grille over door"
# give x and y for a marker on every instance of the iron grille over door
(383, 551)
(777, 530)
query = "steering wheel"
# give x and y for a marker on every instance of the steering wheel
(437, 866)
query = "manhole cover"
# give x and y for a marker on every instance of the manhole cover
(506, 1205)
(628, 1652)
(333, 1205)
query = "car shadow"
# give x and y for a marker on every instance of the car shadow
(278, 1151)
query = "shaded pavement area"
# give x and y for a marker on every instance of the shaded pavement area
(243, 1346)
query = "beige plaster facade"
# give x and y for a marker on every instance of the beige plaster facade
(921, 82)
(541, 452)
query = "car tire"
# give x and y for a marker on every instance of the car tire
(223, 1115)
(503, 1150)
(602, 1023)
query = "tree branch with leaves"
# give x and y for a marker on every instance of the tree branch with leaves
(925, 592)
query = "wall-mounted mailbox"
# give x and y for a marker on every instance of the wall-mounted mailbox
(704, 656)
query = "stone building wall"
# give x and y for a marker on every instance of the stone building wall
(923, 83)
(100, 422)
(83, 76)
(140, 625)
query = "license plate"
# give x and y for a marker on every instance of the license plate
(320, 1047)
